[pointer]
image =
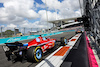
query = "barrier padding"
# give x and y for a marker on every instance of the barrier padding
(13, 39)
(92, 59)
(57, 57)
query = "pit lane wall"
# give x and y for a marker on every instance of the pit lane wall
(13, 39)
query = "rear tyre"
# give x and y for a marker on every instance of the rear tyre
(34, 54)
(63, 41)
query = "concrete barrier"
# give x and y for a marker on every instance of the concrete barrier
(13, 39)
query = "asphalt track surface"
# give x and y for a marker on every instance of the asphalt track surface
(5, 63)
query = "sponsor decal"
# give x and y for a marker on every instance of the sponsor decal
(45, 47)
(29, 37)
(13, 39)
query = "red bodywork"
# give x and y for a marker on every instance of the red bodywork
(44, 44)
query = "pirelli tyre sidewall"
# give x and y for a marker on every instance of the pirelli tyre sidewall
(34, 54)
(63, 41)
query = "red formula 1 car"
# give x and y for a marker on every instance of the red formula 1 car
(39, 46)
(32, 51)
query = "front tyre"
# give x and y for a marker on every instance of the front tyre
(34, 54)
(63, 41)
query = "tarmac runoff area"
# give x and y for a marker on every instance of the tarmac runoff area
(5, 63)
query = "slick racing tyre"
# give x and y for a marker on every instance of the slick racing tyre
(63, 41)
(34, 54)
